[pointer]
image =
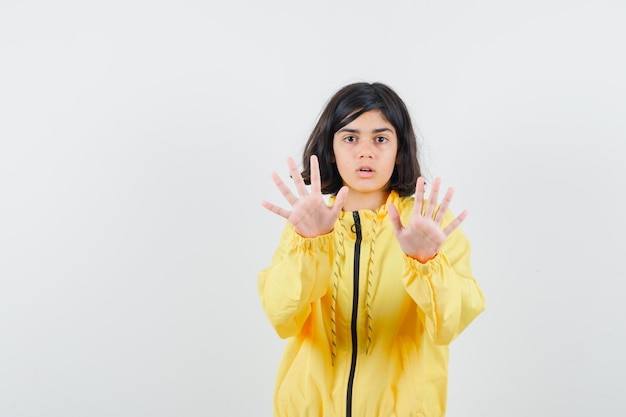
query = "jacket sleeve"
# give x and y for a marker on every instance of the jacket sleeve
(447, 295)
(298, 275)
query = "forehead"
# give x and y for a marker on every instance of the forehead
(369, 120)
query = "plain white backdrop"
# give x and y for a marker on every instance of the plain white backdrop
(137, 140)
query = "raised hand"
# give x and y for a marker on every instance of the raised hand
(310, 215)
(423, 236)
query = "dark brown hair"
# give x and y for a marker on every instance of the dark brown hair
(345, 106)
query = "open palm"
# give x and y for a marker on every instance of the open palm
(423, 236)
(310, 215)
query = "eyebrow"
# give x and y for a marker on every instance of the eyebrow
(379, 130)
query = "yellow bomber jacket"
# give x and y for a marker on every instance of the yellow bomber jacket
(368, 327)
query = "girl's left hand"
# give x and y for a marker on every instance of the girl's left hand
(422, 237)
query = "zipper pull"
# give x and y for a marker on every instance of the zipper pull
(356, 227)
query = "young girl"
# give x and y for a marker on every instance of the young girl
(371, 287)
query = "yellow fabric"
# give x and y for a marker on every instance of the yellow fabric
(412, 313)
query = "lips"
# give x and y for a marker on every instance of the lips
(365, 172)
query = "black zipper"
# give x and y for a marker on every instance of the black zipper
(355, 309)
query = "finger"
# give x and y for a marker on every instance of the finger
(284, 190)
(443, 207)
(315, 175)
(432, 199)
(455, 223)
(275, 209)
(419, 197)
(340, 200)
(394, 217)
(297, 177)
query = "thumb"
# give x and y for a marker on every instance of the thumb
(394, 217)
(340, 199)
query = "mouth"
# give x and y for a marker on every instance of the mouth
(365, 172)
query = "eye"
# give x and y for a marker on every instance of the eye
(349, 139)
(381, 139)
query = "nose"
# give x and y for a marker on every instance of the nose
(366, 150)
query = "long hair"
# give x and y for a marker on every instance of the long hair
(345, 106)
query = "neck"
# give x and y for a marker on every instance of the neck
(368, 201)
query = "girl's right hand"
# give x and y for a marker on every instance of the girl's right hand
(310, 215)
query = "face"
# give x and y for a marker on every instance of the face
(365, 153)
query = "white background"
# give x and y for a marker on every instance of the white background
(137, 140)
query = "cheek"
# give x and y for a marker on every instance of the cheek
(344, 168)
